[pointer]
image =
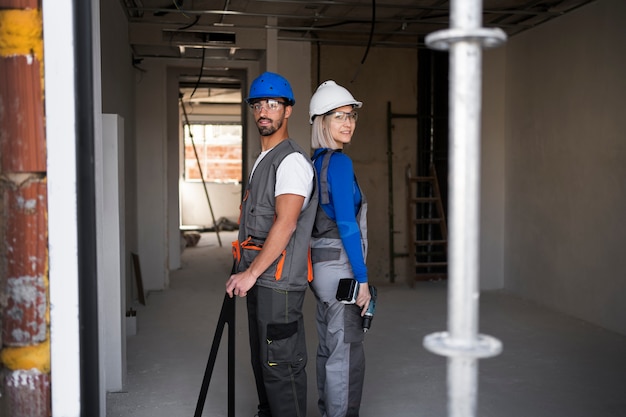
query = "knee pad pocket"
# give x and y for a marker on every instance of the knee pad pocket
(353, 324)
(282, 343)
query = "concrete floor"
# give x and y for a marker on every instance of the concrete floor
(551, 365)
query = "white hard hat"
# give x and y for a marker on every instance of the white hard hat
(329, 96)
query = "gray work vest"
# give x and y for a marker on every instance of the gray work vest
(330, 260)
(292, 270)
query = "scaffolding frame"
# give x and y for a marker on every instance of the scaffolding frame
(462, 343)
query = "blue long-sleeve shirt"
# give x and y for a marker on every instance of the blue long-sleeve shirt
(345, 201)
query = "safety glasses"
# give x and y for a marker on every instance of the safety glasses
(342, 116)
(269, 105)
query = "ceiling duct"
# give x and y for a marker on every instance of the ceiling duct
(199, 38)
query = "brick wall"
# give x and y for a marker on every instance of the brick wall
(219, 162)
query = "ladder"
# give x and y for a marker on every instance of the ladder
(428, 233)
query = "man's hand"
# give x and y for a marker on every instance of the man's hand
(239, 284)
(288, 208)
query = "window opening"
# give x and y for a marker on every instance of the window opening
(219, 147)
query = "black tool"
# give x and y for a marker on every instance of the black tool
(227, 315)
(369, 314)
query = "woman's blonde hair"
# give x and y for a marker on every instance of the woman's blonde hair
(320, 134)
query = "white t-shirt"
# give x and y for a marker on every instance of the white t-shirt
(293, 176)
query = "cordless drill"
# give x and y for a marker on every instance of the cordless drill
(369, 314)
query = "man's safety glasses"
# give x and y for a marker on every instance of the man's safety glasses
(269, 105)
(342, 116)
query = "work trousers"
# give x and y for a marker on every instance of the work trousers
(340, 358)
(278, 349)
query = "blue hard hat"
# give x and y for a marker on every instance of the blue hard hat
(271, 85)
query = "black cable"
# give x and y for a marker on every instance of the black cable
(369, 42)
(199, 75)
(191, 24)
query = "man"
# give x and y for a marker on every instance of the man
(272, 252)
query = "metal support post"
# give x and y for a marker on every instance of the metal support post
(462, 344)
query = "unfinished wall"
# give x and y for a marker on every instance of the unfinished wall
(492, 166)
(376, 84)
(225, 201)
(294, 63)
(565, 169)
(151, 170)
(118, 86)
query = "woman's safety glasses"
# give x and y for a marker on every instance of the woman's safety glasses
(342, 116)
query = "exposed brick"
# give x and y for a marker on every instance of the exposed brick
(21, 116)
(24, 309)
(219, 162)
(27, 393)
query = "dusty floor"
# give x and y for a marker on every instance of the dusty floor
(551, 365)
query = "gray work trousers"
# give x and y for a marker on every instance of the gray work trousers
(278, 350)
(340, 359)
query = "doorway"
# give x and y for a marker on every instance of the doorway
(211, 150)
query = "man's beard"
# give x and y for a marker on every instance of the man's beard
(269, 130)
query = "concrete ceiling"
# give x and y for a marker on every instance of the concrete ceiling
(237, 29)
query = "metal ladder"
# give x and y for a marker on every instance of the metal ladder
(428, 231)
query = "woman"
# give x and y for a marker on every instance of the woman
(338, 250)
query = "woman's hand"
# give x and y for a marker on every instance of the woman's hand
(364, 297)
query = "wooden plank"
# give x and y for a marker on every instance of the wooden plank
(430, 242)
(137, 269)
(427, 221)
(430, 276)
(429, 264)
